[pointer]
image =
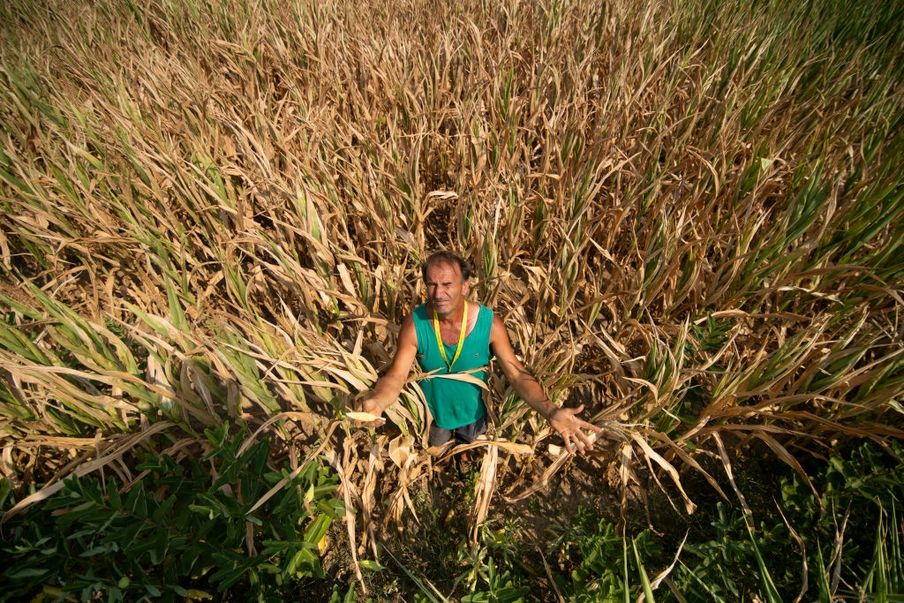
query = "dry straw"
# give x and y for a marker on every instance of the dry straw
(689, 214)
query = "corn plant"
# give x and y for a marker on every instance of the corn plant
(689, 215)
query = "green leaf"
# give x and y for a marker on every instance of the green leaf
(373, 566)
(27, 573)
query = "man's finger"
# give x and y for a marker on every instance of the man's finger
(591, 426)
(584, 440)
(568, 445)
(371, 424)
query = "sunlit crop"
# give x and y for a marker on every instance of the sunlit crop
(688, 213)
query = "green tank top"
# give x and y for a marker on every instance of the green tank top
(452, 403)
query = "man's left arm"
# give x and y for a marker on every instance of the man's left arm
(563, 420)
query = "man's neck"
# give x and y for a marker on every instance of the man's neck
(452, 317)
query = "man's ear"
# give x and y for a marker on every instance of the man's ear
(466, 288)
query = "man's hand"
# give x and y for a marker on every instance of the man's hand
(570, 427)
(369, 405)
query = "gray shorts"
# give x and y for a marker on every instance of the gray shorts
(466, 433)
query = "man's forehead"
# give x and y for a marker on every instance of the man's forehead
(440, 269)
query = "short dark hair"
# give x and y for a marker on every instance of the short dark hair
(447, 257)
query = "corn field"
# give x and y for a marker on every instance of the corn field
(690, 215)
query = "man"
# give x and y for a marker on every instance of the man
(450, 335)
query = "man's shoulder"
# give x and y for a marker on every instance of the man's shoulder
(419, 312)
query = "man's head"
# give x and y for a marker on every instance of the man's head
(446, 276)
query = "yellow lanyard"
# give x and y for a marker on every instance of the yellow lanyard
(461, 338)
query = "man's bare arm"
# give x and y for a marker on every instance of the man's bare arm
(389, 386)
(563, 420)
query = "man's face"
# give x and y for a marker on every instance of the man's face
(446, 290)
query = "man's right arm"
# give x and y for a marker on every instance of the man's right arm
(389, 386)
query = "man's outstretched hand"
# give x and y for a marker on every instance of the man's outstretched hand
(571, 428)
